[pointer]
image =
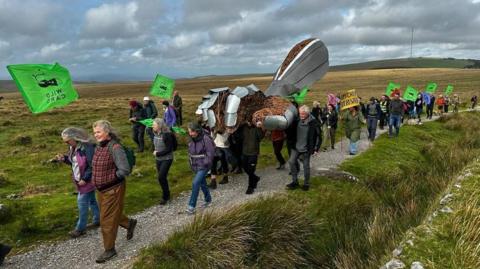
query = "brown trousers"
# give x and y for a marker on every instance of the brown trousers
(111, 214)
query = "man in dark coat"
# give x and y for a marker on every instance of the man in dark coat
(137, 113)
(151, 112)
(177, 104)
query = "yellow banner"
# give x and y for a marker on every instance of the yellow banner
(349, 99)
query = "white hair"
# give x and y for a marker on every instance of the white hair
(304, 108)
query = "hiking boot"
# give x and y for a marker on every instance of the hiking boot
(93, 225)
(255, 183)
(76, 233)
(190, 210)
(106, 255)
(131, 228)
(280, 167)
(305, 187)
(250, 190)
(163, 202)
(4, 250)
(213, 184)
(292, 185)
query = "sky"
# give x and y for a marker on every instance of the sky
(136, 39)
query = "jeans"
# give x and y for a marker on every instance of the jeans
(250, 165)
(199, 182)
(162, 170)
(353, 147)
(277, 150)
(372, 127)
(419, 113)
(394, 122)
(294, 157)
(138, 132)
(84, 202)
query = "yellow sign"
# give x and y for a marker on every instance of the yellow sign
(349, 99)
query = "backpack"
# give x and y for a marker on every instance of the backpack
(128, 151)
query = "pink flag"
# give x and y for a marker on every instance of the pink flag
(332, 99)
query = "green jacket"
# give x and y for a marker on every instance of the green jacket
(353, 125)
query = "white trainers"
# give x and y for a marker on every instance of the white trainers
(190, 210)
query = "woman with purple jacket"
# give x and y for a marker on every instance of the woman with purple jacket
(201, 151)
(79, 157)
(169, 116)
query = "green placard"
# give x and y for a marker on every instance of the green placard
(43, 86)
(410, 94)
(299, 97)
(179, 130)
(449, 90)
(391, 87)
(431, 87)
(147, 122)
(162, 87)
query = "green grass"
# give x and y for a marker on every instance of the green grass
(47, 210)
(357, 225)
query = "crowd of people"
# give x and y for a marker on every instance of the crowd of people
(100, 165)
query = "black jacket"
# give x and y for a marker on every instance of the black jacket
(139, 113)
(151, 110)
(313, 135)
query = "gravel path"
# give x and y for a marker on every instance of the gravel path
(157, 223)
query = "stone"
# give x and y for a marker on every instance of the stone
(458, 186)
(446, 199)
(416, 265)
(394, 264)
(446, 210)
(397, 252)
(410, 242)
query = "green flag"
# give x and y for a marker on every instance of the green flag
(162, 87)
(431, 87)
(147, 122)
(179, 130)
(299, 97)
(43, 86)
(391, 87)
(410, 94)
(449, 90)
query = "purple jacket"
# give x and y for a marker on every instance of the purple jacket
(201, 151)
(170, 118)
(84, 153)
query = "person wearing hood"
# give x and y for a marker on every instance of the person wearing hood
(169, 116)
(137, 113)
(151, 112)
(307, 144)
(79, 157)
(201, 151)
(353, 120)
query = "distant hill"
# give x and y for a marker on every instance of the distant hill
(410, 63)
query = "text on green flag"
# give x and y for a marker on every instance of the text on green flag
(43, 86)
(162, 87)
(431, 87)
(410, 94)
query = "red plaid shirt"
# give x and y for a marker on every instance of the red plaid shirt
(104, 169)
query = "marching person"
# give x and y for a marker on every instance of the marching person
(164, 142)
(169, 114)
(307, 144)
(151, 112)
(201, 151)
(331, 120)
(110, 167)
(251, 137)
(455, 102)
(353, 120)
(137, 113)
(419, 107)
(79, 157)
(474, 101)
(177, 104)
(374, 112)
(430, 106)
(222, 154)
(384, 104)
(396, 114)
(440, 104)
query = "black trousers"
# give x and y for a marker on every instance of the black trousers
(162, 172)
(429, 112)
(220, 156)
(179, 116)
(277, 150)
(250, 166)
(383, 120)
(138, 133)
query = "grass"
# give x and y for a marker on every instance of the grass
(356, 224)
(46, 208)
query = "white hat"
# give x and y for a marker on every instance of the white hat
(146, 98)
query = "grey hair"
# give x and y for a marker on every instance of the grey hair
(77, 134)
(106, 126)
(162, 125)
(305, 108)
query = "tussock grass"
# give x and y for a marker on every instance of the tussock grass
(269, 233)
